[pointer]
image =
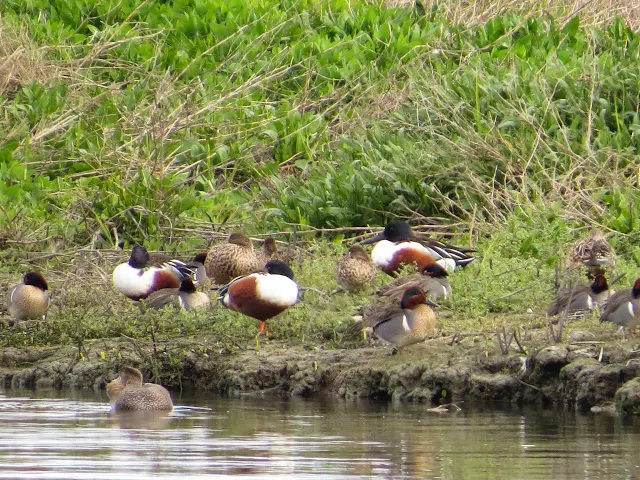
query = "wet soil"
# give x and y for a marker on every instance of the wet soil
(581, 374)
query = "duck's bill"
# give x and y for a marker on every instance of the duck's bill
(374, 239)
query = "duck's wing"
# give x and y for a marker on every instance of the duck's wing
(162, 297)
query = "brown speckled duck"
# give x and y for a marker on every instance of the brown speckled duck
(580, 299)
(401, 325)
(186, 297)
(129, 393)
(623, 307)
(432, 279)
(227, 261)
(355, 270)
(29, 300)
(594, 253)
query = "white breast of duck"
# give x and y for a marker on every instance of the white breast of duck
(277, 289)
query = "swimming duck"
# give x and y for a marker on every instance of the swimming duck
(227, 261)
(129, 393)
(432, 279)
(594, 253)
(398, 246)
(136, 280)
(623, 307)
(355, 269)
(262, 295)
(405, 324)
(186, 297)
(581, 298)
(29, 299)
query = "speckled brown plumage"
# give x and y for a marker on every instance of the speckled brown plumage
(594, 253)
(229, 260)
(129, 393)
(29, 300)
(355, 270)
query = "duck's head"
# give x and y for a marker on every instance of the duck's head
(599, 284)
(434, 270)
(200, 258)
(240, 239)
(187, 286)
(276, 267)
(130, 376)
(358, 253)
(395, 231)
(269, 246)
(635, 291)
(414, 296)
(139, 257)
(35, 279)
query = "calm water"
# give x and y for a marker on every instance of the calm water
(72, 435)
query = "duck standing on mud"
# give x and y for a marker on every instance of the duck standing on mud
(397, 246)
(129, 393)
(623, 307)
(136, 279)
(29, 300)
(411, 321)
(580, 299)
(355, 270)
(262, 295)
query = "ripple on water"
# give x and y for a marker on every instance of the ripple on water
(78, 437)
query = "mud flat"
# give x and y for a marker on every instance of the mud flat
(579, 375)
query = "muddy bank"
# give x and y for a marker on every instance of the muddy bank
(576, 376)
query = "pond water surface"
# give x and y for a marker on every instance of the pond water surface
(72, 435)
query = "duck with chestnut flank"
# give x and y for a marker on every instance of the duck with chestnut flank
(186, 297)
(262, 295)
(136, 279)
(432, 279)
(411, 321)
(623, 307)
(397, 246)
(580, 299)
(232, 259)
(29, 300)
(129, 393)
(355, 270)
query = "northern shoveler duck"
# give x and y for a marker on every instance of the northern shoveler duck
(29, 300)
(398, 246)
(432, 279)
(227, 261)
(594, 253)
(355, 269)
(623, 307)
(262, 295)
(581, 298)
(405, 324)
(129, 393)
(186, 297)
(137, 280)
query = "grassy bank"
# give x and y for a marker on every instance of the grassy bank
(170, 123)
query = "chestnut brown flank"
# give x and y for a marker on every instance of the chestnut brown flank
(243, 299)
(407, 256)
